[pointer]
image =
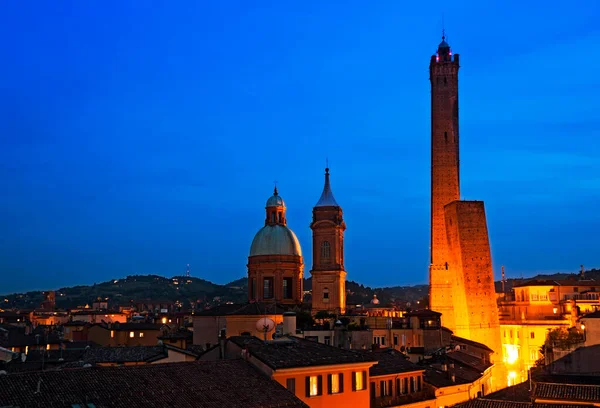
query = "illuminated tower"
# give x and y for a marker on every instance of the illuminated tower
(328, 274)
(461, 278)
(445, 188)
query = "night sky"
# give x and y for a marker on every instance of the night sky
(138, 137)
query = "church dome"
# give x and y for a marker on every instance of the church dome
(275, 201)
(275, 240)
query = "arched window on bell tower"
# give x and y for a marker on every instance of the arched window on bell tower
(325, 250)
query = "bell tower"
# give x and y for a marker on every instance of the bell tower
(445, 188)
(328, 274)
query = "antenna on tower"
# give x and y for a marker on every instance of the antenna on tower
(187, 271)
(503, 279)
(443, 28)
(582, 273)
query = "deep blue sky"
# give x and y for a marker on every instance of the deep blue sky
(137, 137)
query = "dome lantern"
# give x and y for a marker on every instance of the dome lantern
(275, 210)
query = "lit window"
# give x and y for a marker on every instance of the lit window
(164, 320)
(47, 346)
(141, 334)
(131, 334)
(359, 384)
(334, 383)
(26, 349)
(112, 334)
(314, 385)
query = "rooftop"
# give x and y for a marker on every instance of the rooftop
(423, 313)
(468, 360)
(468, 342)
(487, 403)
(297, 352)
(567, 392)
(559, 282)
(390, 361)
(244, 309)
(130, 326)
(206, 384)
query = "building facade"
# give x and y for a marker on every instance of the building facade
(534, 308)
(275, 265)
(328, 273)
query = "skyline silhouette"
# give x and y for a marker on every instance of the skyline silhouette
(139, 140)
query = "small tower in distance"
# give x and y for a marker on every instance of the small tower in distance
(328, 274)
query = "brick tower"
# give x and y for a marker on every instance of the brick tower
(328, 274)
(445, 188)
(461, 278)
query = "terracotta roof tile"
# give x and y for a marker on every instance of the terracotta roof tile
(485, 403)
(568, 392)
(390, 361)
(214, 384)
(297, 352)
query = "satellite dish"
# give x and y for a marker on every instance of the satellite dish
(23, 357)
(265, 325)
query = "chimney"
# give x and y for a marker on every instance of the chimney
(289, 323)
(222, 338)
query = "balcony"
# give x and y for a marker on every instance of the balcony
(394, 401)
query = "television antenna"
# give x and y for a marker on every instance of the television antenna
(187, 271)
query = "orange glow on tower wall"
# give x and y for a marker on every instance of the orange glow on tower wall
(469, 250)
(461, 279)
(445, 186)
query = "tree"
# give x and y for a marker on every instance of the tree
(304, 320)
(322, 315)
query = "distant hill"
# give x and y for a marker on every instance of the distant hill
(188, 291)
(121, 292)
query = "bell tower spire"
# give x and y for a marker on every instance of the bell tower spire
(328, 274)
